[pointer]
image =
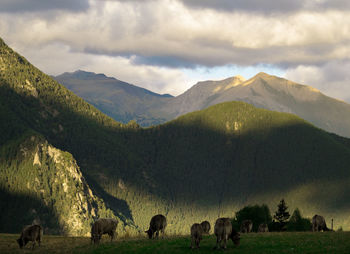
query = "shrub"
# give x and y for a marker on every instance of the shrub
(258, 214)
(298, 223)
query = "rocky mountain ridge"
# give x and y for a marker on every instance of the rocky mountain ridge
(262, 90)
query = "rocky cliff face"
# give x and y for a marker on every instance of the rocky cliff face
(53, 177)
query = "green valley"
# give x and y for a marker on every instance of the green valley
(200, 166)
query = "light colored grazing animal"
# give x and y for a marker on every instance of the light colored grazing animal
(30, 233)
(223, 231)
(196, 234)
(103, 226)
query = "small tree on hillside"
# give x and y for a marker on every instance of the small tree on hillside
(282, 215)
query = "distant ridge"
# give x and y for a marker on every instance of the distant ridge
(120, 100)
(262, 90)
(269, 92)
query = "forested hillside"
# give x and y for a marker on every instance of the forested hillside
(200, 166)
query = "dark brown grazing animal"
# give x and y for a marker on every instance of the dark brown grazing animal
(223, 231)
(263, 228)
(196, 234)
(246, 226)
(103, 226)
(206, 227)
(30, 233)
(318, 224)
(158, 223)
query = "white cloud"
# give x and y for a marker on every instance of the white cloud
(161, 37)
(332, 78)
(169, 31)
(62, 59)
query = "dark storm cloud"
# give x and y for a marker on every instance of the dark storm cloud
(14, 6)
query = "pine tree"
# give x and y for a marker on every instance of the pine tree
(282, 215)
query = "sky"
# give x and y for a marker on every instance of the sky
(169, 45)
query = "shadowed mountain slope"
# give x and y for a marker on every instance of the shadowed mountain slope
(198, 167)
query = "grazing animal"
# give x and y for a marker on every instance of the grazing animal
(263, 228)
(196, 234)
(318, 223)
(103, 226)
(246, 226)
(223, 231)
(158, 223)
(30, 233)
(206, 227)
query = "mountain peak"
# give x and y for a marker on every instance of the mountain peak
(263, 75)
(234, 81)
(239, 77)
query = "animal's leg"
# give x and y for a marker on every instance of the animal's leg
(157, 234)
(33, 245)
(197, 242)
(218, 240)
(112, 236)
(225, 242)
(192, 240)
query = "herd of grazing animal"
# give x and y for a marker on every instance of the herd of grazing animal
(223, 230)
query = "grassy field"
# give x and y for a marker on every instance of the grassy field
(330, 242)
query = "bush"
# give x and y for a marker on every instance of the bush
(298, 223)
(258, 214)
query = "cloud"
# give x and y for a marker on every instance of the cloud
(331, 78)
(62, 59)
(247, 5)
(166, 33)
(259, 6)
(43, 5)
(166, 36)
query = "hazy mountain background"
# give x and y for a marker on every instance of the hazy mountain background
(119, 100)
(263, 91)
(62, 160)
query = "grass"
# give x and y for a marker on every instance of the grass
(328, 242)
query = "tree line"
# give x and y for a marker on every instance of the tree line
(280, 221)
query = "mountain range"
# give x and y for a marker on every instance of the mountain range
(64, 163)
(262, 90)
(120, 100)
